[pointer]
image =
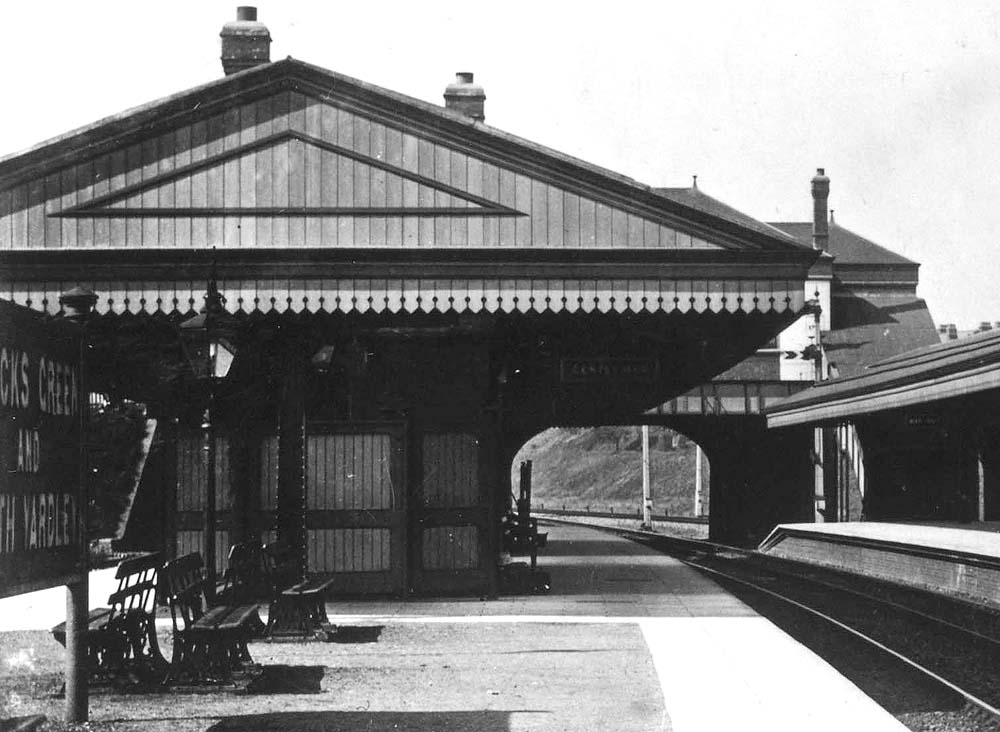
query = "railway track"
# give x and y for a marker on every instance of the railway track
(932, 661)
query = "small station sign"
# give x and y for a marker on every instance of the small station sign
(42, 530)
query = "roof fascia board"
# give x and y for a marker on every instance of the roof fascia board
(948, 386)
(169, 264)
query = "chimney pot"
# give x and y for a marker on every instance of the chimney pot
(245, 42)
(466, 97)
(821, 195)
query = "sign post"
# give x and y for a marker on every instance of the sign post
(43, 536)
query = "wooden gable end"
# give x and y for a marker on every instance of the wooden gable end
(292, 170)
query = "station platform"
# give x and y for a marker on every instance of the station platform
(961, 560)
(627, 640)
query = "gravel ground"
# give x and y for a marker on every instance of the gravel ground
(419, 677)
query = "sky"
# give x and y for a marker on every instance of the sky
(898, 101)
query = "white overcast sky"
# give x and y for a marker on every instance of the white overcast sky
(899, 101)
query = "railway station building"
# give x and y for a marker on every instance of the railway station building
(414, 293)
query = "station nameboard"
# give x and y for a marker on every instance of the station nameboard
(586, 370)
(42, 532)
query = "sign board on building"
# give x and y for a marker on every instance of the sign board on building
(582, 370)
(42, 534)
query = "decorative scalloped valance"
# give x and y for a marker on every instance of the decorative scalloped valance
(359, 295)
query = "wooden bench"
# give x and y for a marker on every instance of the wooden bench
(297, 605)
(121, 639)
(210, 642)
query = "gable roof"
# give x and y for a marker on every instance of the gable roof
(845, 245)
(699, 201)
(453, 128)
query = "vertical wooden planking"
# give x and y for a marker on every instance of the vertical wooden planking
(150, 169)
(523, 201)
(556, 217)
(199, 184)
(132, 175)
(442, 172)
(571, 220)
(36, 213)
(182, 187)
(69, 189)
(6, 219)
(296, 192)
(247, 197)
(650, 235)
(296, 169)
(51, 225)
(395, 230)
(459, 166)
(634, 231)
(345, 178)
(539, 214)
(668, 238)
(474, 183)
(603, 226)
(410, 162)
(166, 191)
(328, 173)
(619, 228)
(313, 235)
(102, 184)
(362, 180)
(377, 184)
(280, 181)
(424, 195)
(19, 217)
(491, 191)
(263, 164)
(86, 179)
(231, 178)
(215, 178)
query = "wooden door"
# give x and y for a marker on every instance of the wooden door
(452, 521)
(355, 504)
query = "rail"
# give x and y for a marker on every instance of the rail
(542, 511)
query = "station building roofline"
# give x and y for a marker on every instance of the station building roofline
(848, 247)
(143, 121)
(918, 377)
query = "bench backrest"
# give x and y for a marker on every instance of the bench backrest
(136, 591)
(246, 578)
(282, 566)
(182, 587)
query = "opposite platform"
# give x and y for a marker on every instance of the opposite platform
(959, 560)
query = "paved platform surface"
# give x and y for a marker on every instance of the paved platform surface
(972, 538)
(627, 640)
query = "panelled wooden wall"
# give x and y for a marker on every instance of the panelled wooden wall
(345, 473)
(450, 481)
(292, 171)
(191, 491)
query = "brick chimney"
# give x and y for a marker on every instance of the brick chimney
(821, 195)
(466, 97)
(245, 42)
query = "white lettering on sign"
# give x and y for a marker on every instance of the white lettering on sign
(29, 451)
(57, 388)
(14, 389)
(42, 521)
